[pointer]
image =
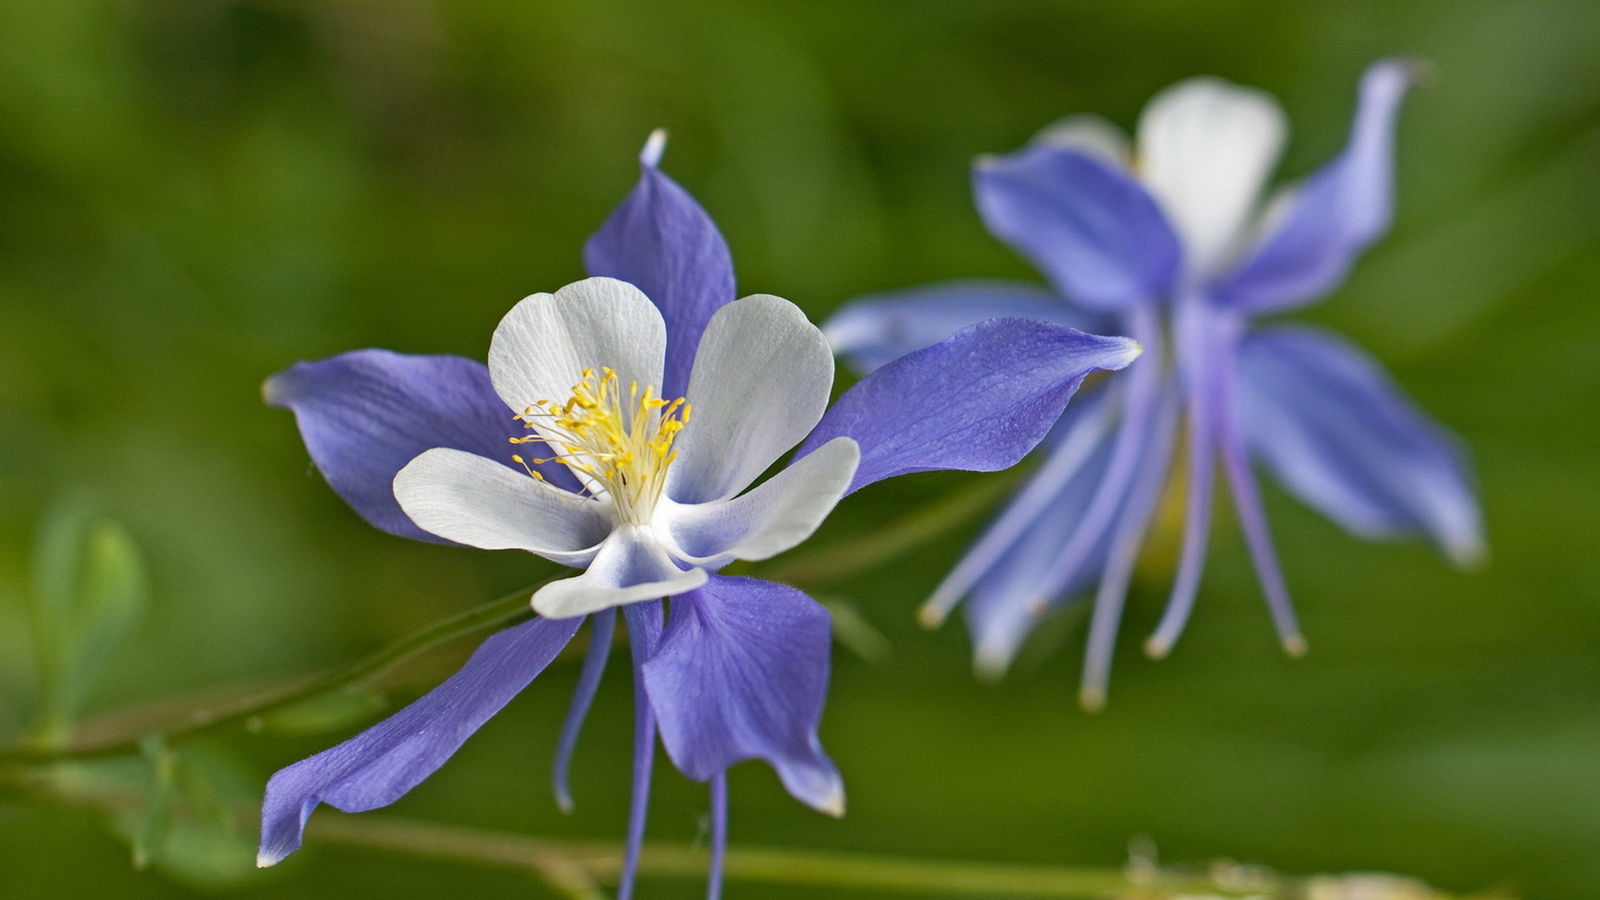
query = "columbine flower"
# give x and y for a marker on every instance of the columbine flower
(1174, 246)
(616, 429)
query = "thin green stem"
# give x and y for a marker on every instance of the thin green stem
(578, 869)
(208, 720)
(834, 563)
(601, 863)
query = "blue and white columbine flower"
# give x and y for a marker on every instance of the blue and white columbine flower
(617, 428)
(1173, 245)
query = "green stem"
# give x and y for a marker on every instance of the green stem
(601, 863)
(209, 720)
(812, 568)
(577, 869)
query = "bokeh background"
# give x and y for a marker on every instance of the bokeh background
(197, 193)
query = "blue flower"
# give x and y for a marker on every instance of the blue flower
(1175, 247)
(616, 429)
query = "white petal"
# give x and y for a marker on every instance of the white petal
(777, 515)
(760, 384)
(1089, 133)
(631, 566)
(1206, 148)
(476, 501)
(545, 342)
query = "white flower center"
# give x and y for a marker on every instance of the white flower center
(619, 443)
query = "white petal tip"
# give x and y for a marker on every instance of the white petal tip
(272, 391)
(833, 803)
(267, 860)
(1131, 350)
(931, 616)
(985, 161)
(1417, 70)
(1469, 555)
(990, 665)
(1038, 607)
(1157, 648)
(1295, 646)
(1092, 699)
(566, 805)
(654, 147)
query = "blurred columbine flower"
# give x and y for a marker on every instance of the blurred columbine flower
(615, 429)
(1171, 243)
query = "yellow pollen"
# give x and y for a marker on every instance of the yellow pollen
(619, 442)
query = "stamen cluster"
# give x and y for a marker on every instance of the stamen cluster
(620, 445)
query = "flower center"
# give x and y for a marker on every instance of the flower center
(618, 442)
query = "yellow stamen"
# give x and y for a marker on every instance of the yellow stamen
(524, 463)
(620, 445)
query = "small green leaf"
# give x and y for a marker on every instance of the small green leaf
(188, 813)
(112, 592)
(55, 556)
(206, 858)
(149, 833)
(212, 842)
(55, 568)
(89, 589)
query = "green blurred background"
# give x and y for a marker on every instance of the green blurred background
(196, 193)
